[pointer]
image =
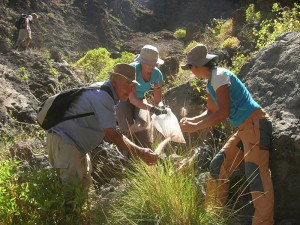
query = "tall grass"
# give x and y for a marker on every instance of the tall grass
(160, 195)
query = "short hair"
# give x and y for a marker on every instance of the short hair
(211, 63)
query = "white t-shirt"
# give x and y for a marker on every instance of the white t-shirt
(219, 78)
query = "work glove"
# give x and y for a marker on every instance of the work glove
(158, 111)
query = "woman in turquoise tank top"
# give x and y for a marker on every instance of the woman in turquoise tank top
(227, 97)
(134, 115)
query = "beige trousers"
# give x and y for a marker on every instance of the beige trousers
(250, 144)
(73, 166)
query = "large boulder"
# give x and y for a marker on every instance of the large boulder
(272, 76)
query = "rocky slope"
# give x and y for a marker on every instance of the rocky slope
(73, 27)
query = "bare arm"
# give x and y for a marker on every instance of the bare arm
(214, 114)
(26, 24)
(157, 97)
(211, 107)
(121, 141)
(157, 94)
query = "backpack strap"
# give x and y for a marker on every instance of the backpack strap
(103, 88)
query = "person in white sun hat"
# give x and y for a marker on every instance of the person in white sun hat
(134, 115)
(227, 97)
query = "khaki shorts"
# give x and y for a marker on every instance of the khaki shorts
(73, 166)
(23, 34)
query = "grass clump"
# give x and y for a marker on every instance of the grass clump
(160, 195)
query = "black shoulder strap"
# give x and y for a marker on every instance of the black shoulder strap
(102, 87)
(108, 90)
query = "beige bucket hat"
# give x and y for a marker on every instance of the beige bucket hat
(125, 70)
(149, 55)
(198, 56)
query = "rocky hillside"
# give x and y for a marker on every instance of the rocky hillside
(73, 27)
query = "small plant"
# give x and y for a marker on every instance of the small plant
(216, 26)
(23, 74)
(251, 15)
(238, 61)
(231, 43)
(54, 71)
(180, 34)
(225, 30)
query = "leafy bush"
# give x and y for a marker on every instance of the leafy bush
(216, 26)
(284, 20)
(97, 63)
(251, 15)
(231, 43)
(94, 61)
(238, 61)
(225, 30)
(180, 34)
(38, 197)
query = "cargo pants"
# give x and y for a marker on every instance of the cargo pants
(250, 144)
(72, 165)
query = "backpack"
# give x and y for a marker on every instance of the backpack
(53, 109)
(20, 23)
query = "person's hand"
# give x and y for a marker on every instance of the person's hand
(148, 156)
(158, 111)
(188, 126)
(183, 120)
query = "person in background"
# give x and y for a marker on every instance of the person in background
(24, 35)
(227, 97)
(133, 115)
(69, 142)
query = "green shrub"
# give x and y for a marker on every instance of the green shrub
(94, 61)
(180, 34)
(284, 20)
(97, 63)
(38, 197)
(225, 30)
(238, 61)
(231, 43)
(251, 15)
(216, 27)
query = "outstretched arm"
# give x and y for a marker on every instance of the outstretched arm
(121, 141)
(214, 114)
(157, 97)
